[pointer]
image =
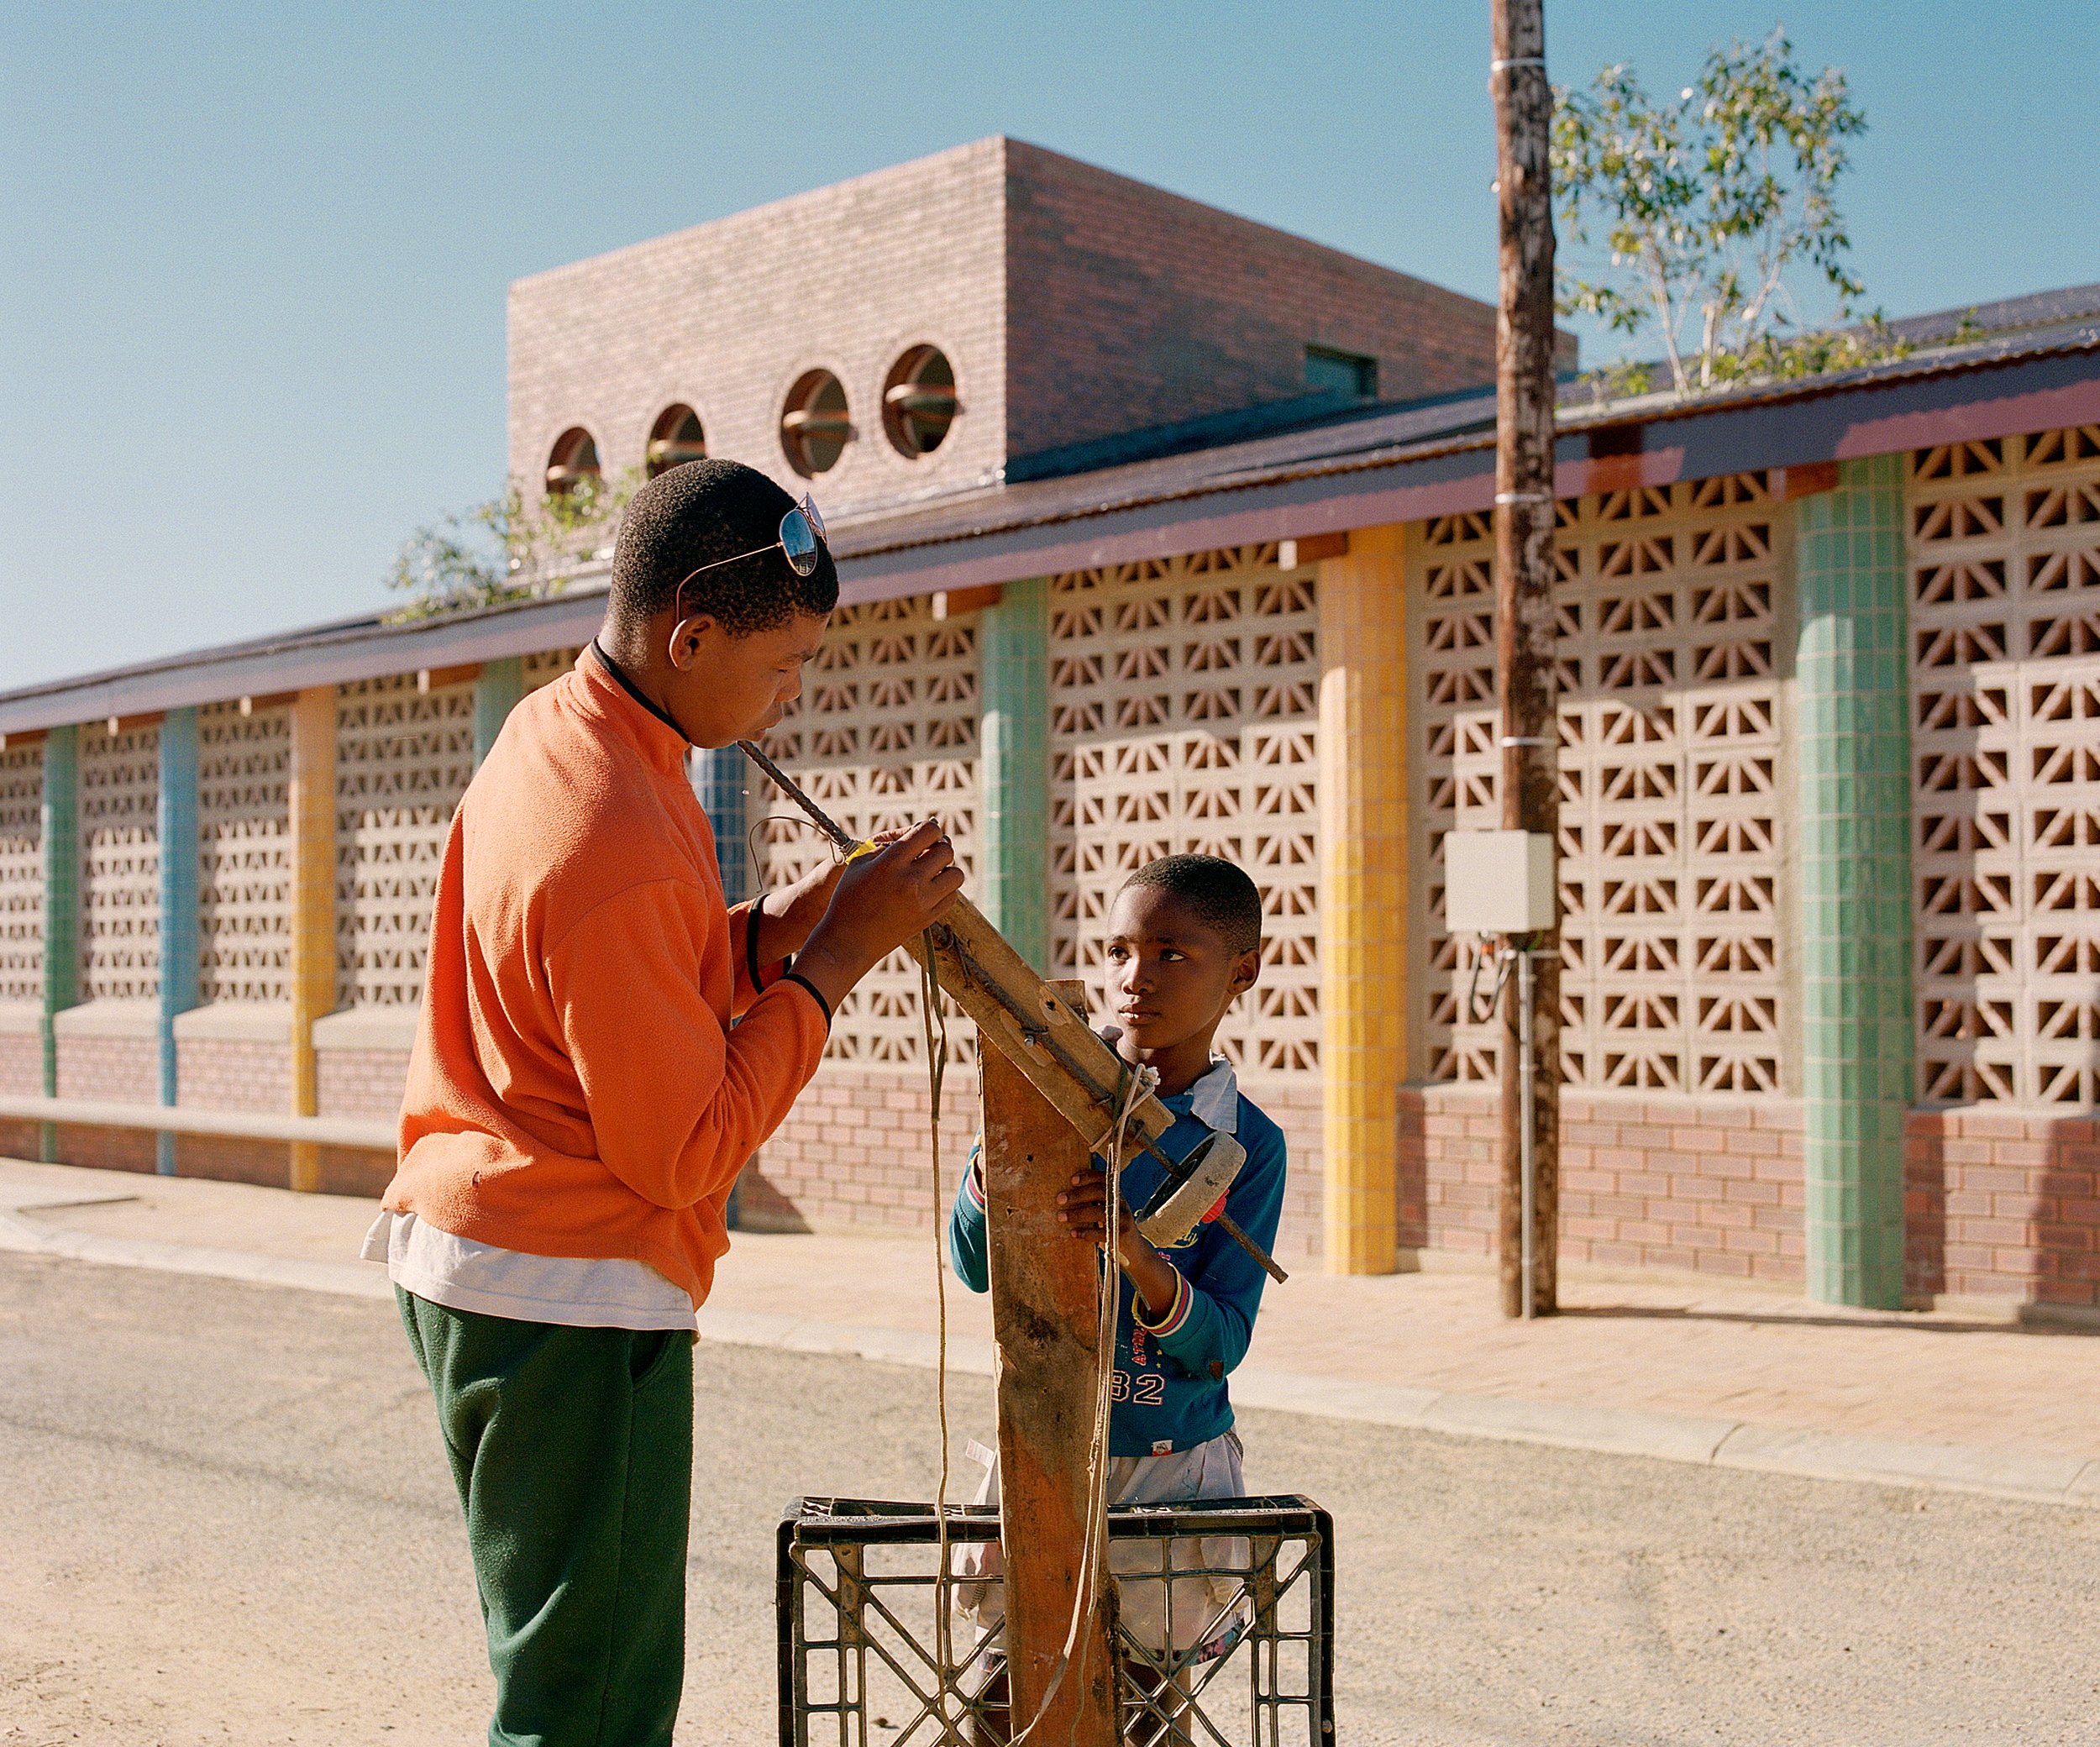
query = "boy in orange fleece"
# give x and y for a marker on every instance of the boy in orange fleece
(578, 1106)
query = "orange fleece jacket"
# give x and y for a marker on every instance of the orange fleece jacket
(575, 1088)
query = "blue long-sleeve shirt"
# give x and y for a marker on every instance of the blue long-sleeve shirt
(1169, 1391)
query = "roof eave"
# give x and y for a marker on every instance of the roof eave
(1220, 498)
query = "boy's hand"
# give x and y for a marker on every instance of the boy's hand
(880, 902)
(790, 914)
(1083, 1209)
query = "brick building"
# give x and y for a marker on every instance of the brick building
(1162, 530)
(1070, 306)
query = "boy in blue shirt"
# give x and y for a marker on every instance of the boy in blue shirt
(1185, 940)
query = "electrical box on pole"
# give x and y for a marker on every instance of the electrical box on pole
(1498, 882)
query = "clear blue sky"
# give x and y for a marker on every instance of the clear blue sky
(252, 259)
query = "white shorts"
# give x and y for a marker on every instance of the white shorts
(1200, 1605)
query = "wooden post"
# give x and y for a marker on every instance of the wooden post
(1045, 1304)
(1523, 611)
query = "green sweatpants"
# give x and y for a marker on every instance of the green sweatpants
(573, 1452)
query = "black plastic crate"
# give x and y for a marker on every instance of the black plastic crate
(1224, 1626)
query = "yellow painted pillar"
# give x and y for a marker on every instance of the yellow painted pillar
(1363, 893)
(313, 904)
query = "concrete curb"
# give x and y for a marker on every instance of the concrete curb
(2070, 1480)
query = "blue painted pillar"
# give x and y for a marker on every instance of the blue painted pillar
(496, 690)
(178, 942)
(60, 827)
(719, 775)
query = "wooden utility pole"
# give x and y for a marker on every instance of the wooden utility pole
(1524, 616)
(1045, 1304)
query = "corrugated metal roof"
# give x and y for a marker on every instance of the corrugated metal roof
(1388, 438)
(1371, 465)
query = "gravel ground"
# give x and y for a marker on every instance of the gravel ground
(225, 1518)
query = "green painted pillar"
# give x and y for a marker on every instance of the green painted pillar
(496, 690)
(1013, 664)
(1858, 1029)
(179, 933)
(61, 827)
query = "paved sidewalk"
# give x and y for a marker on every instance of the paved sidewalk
(1690, 1373)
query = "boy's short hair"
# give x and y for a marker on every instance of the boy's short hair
(701, 513)
(1218, 894)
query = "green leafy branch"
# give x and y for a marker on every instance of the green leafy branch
(509, 549)
(1712, 209)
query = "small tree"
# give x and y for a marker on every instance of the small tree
(1711, 206)
(508, 549)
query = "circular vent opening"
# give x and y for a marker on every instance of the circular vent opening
(674, 440)
(815, 427)
(573, 459)
(918, 400)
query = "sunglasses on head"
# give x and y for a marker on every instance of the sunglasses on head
(801, 539)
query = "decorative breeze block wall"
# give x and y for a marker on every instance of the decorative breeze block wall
(2004, 547)
(403, 760)
(884, 734)
(120, 865)
(1672, 835)
(244, 853)
(21, 874)
(545, 667)
(1183, 711)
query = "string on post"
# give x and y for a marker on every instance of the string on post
(933, 1025)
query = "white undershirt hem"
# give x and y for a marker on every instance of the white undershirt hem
(572, 1291)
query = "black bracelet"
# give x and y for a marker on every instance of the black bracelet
(817, 994)
(756, 920)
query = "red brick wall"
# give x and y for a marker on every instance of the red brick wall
(1129, 307)
(226, 1160)
(360, 1081)
(118, 1070)
(853, 1151)
(726, 316)
(108, 1149)
(1709, 1186)
(343, 1170)
(22, 1065)
(354, 1171)
(234, 1074)
(1999, 1204)
(1073, 303)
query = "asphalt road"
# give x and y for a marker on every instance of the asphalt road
(225, 1518)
